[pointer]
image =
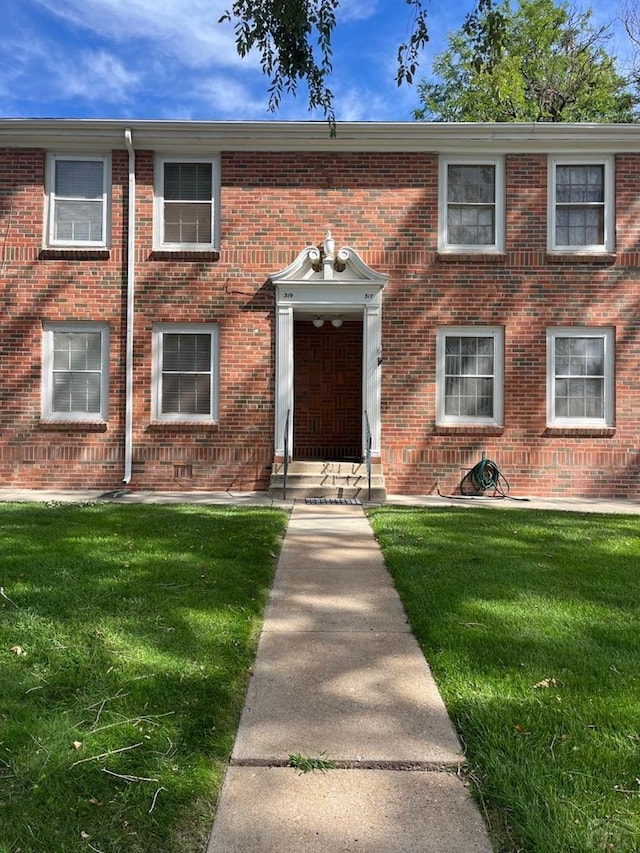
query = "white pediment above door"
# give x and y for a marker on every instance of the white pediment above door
(317, 265)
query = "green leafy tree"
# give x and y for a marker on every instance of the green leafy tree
(293, 41)
(549, 64)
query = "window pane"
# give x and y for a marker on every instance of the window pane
(77, 377)
(79, 178)
(579, 382)
(471, 184)
(186, 352)
(580, 205)
(78, 221)
(471, 205)
(469, 376)
(187, 223)
(188, 394)
(581, 357)
(471, 226)
(188, 182)
(579, 184)
(580, 226)
(186, 374)
(77, 350)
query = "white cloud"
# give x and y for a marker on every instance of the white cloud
(185, 29)
(227, 97)
(357, 10)
(38, 74)
(362, 104)
(94, 75)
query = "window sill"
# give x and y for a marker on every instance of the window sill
(75, 426)
(599, 258)
(185, 254)
(579, 432)
(183, 426)
(468, 429)
(489, 257)
(49, 253)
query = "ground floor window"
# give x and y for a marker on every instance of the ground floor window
(580, 376)
(469, 375)
(185, 372)
(75, 371)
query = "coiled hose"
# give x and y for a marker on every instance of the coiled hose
(484, 475)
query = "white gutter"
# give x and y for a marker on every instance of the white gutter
(198, 137)
(131, 248)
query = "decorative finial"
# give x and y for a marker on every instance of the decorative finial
(329, 246)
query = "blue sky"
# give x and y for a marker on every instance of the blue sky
(170, 59)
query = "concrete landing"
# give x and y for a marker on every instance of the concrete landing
(274, 810)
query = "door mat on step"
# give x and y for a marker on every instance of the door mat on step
(347, 501)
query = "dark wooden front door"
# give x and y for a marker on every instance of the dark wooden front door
(327, 365)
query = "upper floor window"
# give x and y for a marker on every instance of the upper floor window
(580, 377)
(469, 375)
(471, 205)
(185, 372)
(581, 217)
(186, 212)
(75, 371)
(77, 192)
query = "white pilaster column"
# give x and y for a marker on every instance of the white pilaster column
(284, 377)
(372, 375)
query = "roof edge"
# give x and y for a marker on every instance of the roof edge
(200, 136)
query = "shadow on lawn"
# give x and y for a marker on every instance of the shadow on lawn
(531, 623)
(123, 626)
(518, 585)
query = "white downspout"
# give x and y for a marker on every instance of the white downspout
(131, 247)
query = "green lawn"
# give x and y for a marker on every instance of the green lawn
(531, 623)
(126, 637)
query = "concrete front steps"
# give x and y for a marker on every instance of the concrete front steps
(327, 479)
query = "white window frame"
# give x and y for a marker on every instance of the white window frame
(159, 330)
(495, 332)
(49, 331)
(608, 244)
(605, 333)
(51, 200)
(159, 242)
(444, 244)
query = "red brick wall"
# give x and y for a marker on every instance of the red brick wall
(272, 206)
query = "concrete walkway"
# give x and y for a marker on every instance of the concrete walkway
(338, 674)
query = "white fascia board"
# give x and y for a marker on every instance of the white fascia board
(189, 137)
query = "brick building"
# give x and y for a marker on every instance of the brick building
(176, 314)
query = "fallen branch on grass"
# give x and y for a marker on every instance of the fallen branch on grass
(106, 754)
(127, 777)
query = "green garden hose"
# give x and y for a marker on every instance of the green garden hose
(484, 476)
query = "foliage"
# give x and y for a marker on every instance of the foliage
(531, 624)
(546, 63)
(282, 31)
(309, 763)
(293, 39)
(126, 637)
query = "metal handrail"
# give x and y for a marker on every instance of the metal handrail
(367, 456)
(285, 466)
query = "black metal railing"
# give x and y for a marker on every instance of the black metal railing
(285, 463)
(367, 452)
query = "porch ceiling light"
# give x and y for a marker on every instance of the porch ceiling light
(336, 322)
(318, 322)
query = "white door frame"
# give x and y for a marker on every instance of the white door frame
(327, 284)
